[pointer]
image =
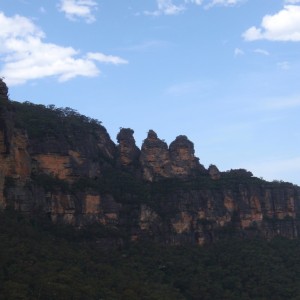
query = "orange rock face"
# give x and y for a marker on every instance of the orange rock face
(16, 163)
(183, 224)
(160, 161)
(86, 180)
(128, 151)
(54, 164)
(182, 156)
(155, 158)
(92, 204)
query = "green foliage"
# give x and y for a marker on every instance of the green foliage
(43, 122)
(43, 261)
(233, 173)
(39, 260)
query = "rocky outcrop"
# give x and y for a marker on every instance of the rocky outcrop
(40, 174)
(214, 172)
(75, 174)
(3, 90)
(128, 152)
(155, 158)
(176, 161)
(15, 160)
(184, 162)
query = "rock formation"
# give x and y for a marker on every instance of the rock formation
(128, 151)
(72, 172)
(214, 172)
(155, 158)
(184, 162)
(3, 90)
(176, 161)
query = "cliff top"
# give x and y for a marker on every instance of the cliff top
(3, 90)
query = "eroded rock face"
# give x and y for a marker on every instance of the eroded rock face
(3, 90)
(214, 172)
(182, 154)
(35, 174)
(15, 161)
(201, 216)
(155, 158)
(72, 177)
(128, 152)
(177, 161)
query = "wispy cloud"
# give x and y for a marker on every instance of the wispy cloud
(282, 26)
(198, 87)
(42, 10)
(238, 52)
(25, 56)
(223, 3)
(109, 59)
(198, 2)
(79, 9)
(262, 51)
(292, 1)
(284, 65)
(167, 7)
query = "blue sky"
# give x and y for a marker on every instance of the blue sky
(223, 72)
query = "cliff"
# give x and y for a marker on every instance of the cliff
(63, 165)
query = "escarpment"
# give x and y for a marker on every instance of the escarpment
(60, 164)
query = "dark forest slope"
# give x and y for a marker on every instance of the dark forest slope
(40, 260)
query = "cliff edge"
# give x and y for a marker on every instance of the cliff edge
(63, 165)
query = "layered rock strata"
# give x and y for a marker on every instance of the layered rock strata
(77, 175)
(128, 152)
(176, 161)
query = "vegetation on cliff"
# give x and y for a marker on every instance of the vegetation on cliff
(62, 163)
(83, 218)
(42, 121)
(43, 261)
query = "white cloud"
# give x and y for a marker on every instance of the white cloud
(26, 57)
(79, 9)
(100, 57)
(238, 52)
(17, 26)
(292, 1)
(283, 26)
(166, 7)
(197, 2)
(223, 3)
(262, 51)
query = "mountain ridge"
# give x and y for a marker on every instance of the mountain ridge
(57, 162)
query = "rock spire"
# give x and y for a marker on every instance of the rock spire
(3, 90)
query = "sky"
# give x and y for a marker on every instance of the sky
(225, 73)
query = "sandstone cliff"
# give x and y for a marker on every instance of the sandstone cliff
(63, 165)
